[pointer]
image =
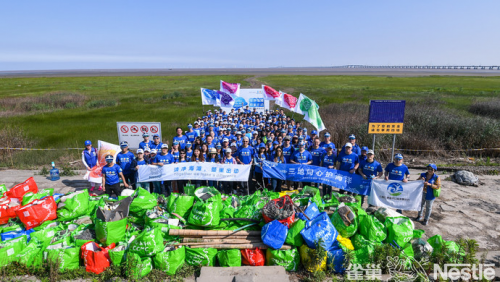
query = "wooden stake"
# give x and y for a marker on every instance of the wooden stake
(221, 241)
(226, 237)
(239, 246)
(188, 232)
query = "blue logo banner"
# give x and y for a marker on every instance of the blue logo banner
(309, 173)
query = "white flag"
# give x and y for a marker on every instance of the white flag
(397, 194)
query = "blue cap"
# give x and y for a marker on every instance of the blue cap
(202, 131)
(109, 158)
(275, 143)
(302, 144)
(218, 146)
(188, 144)
(262, 145)
(314, 132)
(304, 129)
(88, 143)
(352, 136)
(327, 134)
(283, 131)
(249, 129)
(364, 148)
(156, 135)
(190, 125)
(176, 142)
(124, 144)
(433, 166)
(398, 157)
(301, 137)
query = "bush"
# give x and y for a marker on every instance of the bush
(101, 103)
(486, 108)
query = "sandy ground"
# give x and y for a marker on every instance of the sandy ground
(460, 211)
(250, 71)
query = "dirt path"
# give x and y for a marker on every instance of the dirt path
(256, 83)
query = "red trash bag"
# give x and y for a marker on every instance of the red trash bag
(281, 209)
(20, 189)
(37, 212)
(7, 213)
(96, 258)
(253, 257)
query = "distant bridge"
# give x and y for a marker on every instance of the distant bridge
(422, 67)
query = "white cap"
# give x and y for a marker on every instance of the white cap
(370, 152)
(140, 151)
(348, 144)
(154, 151)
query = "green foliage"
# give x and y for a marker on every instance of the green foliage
(67, 171)
(44, 171)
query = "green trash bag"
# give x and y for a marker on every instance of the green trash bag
(226, 212)
(330, 201)
(143, 200)
(73, 205)
(83, 234)
(345, 230)
(110, 232)
(3, 189)
(48, 224)
(66, 255)
(10, 249)
(12, 226)
(252, 199)
(32, 255)
(147, 243)
(164, 227)
(245, 212)
(373, 229)
(30, 196)
(418, 233)
(201, 256)
(440, 245)
(314, 195)
(289, 259)
(229, 258)
(189, 189)
(136, 267)
(293, 236)
(180, 205)
(117, 254)
(205, 213)
(359, 241)
(399, 230)
(364, 255)
(170, 260)
(46, 235)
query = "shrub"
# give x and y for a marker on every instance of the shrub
(486, 108)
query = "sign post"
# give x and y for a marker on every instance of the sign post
(386, 117)
(132, 131)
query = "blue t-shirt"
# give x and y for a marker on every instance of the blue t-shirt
(324, 145)
(429, 195)
(157, 147)
(189, 154)
(124, 160)
(228, 160)
(347, 162)
(191, 136)
(370, 169)
(165, 159)
(112, 174)
(245, 154)
(182, 141)
(287, 153)
(329, 160)
(397, 172)
(301, 158)
(317, 154)
(355, 149)
(143, 145)
(175, 156)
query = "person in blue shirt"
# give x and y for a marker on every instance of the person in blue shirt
(229, 187)
(156, 143)
(111, 174)
(191, 134)
(317, 152)
(370, 168)
(89, 159)
(355, 147)
(301, 156)
(189, 150)
(124, 159)
(328, 161)
(431, 182)
(259, 158)
(139, 160)
(164, 158)
(347, 160)
(244, 156)
(277, 157)
(397, 171)
(327, 142)
(363, 155)
(181, 139)
(146, 143)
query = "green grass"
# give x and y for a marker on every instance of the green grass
(175, 101)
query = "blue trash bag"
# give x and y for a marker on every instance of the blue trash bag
(14, 234)
(57, 196)
(311, 211)
(335, 259)
(319, 227)
(274, 234)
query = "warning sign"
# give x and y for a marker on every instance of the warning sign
(124, 128)
(132, 132)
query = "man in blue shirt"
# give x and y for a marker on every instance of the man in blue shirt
(111, 174)
(244, 156)
(363, 155)
(156, 143)
(301, 157)
(317, 152)
(191, 134)
(182, 139)
(146, 143)
(370, 168)
(124, 160)
(327, 142)
(397, 171)
(165, 158)
(355, 147)
(347, 160)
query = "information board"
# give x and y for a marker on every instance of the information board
(132, 132)
(253, 98)
(386, 116)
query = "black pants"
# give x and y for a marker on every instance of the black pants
(228, 186)
(115, 188)
(327, 189)
(130, 178)
(167, 188)
(180, 185)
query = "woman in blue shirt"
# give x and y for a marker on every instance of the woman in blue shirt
(432, 182)
(278, 157)
(397, 171)
(259, 158)
(328, 161)
(213, 158)
(89, 159)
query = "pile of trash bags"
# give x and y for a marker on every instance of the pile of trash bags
(82, 230)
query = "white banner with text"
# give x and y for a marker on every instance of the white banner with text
(397, 194)
(194, 171)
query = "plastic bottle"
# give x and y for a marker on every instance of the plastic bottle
(54, 173)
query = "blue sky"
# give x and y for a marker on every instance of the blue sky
(36, 35)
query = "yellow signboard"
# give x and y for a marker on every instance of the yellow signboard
(385, 128)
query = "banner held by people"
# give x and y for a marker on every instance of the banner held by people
(194, 171)
(309, 173)
(397, 194)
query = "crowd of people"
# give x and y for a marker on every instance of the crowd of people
(249, 137)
